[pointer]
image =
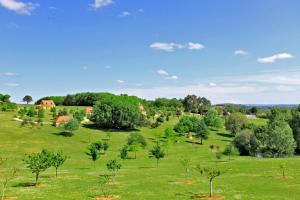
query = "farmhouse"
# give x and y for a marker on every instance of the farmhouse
(61, 120)
(47, 104)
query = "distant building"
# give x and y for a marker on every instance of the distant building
(47, 104)
(88, 110)
(251, 116)
(61, 120)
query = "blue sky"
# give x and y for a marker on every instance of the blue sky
(240, 51)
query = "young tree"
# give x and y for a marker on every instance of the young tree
(104, 185)
(41, 113)
(79, 115)
(201, 130)
(212, 119)
(211, 174)
(157, 153)
(27, 99)
(230, 150)
(71, 126)
(93, 153)
(57, 160)
(124, 152)
(186, 163)
(114, 167)
(136, 141)
(38, 162)
(6, 179)
(31, 112)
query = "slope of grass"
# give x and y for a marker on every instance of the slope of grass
(243, 177)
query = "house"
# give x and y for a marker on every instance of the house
(47, 104)
(61, 120)
(88, 110)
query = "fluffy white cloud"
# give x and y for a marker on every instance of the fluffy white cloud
(240, 52)
(212, 84)
(274, 58)
(11, 84)
(195, 46)
(19, 7)
(173, 77)
(9, 74)
(101, 3)
(162, 72)
(169, 47)
(120, 81)
(125, 14)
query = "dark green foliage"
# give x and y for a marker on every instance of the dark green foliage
(277, 113)
(194, 104)
(58, 100)
(93, 153)
(118, 112)
(27, 99)
(235, 122)
(38, 162)
(230, 150)
(5, 98)
(254, 110)
(185, 124)
(157, 153)
(7, 106)
(295, 125)
(63, 112)
(101, 146)
(160, 119)
(201, 130)
(247, 143)
(41, 113)
(114, 167)
(124, 152)
(31, 112)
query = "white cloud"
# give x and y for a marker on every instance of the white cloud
(9, 74)
(11, 84)
(169, 47)
(162, 72)
(195, 46)
(120, 81)
(212, 84)
(274, 58)
(101, 3)
(240, 52)
(19, 7)
(125, 14)
(173, 77)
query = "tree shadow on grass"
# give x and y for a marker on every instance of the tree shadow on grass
(225, 135)
(93, 126)
(26, 184)
(186, 194)
(64, 134)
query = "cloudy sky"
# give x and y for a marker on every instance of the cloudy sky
(243, 51)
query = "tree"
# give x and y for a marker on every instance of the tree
(135, 142)
(201, 130)
(38, 162)
(295, 125)
(157, 153)
(101, 146)
(57, 160)
(254, 110)
(27, 99)
(212, 119)
(282, 167)
(211, 174)
(31, 112)
(79, 115)
(41, 113)
(246, 142)
(235, 122)
(124, 152)
(230, 150)
(114, 167)
(93, 153)
(6, 179)
(104, 185)
(170, 135)
(71, 126)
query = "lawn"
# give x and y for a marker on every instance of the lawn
(242, 177)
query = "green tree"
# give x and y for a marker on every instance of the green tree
(246, 142)
(295, 125)
(41, 113)
(212, 119)
(27, 99)
(235, 122)
(93, 153)
(124, 152)
(201, 130)
(71, 126)
(57, 160)
(38, 163)
(211, 174)
(8, 177)
(31, 112)
(136, 141)
(157, 153)
(79, 115)
(230, 150)
(114, 167)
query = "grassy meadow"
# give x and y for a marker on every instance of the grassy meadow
(139, 179)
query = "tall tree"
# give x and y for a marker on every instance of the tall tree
(27, 99)
(201, 130)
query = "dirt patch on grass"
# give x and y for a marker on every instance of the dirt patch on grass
(10, 198)
(285, 177)
(185, 182)
(110, 197)
(206, 196)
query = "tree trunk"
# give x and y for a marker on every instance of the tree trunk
(56, 172)
(201, 140)
(156, 163)
(3, 191)
(36, 178)
(134, 154)
(210, 187)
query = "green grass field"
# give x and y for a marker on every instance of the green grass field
(243, 177)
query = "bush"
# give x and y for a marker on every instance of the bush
(235, 122)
